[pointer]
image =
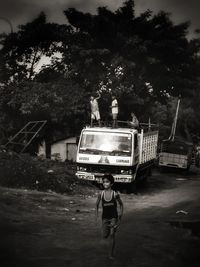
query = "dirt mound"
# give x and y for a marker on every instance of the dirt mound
(24, 171)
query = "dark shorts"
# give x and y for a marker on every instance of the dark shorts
(109, 227)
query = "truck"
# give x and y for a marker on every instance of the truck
(126, 153)
(175, 152)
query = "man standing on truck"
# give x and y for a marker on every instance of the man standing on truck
(114, 107)
(95, 110)
(134, 121)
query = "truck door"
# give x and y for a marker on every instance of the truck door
(135, 149)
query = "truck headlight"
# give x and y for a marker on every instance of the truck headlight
(130, 172)
(126, 171)
(80, 168)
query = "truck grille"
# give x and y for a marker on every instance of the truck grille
(104, 168)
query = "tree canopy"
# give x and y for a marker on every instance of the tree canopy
(146, 61)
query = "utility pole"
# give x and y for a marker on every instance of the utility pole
(173, 130)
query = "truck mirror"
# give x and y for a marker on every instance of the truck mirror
(77, 140)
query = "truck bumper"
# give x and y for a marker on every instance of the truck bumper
(97, 177)
(173, 165)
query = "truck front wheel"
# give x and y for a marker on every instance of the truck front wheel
(132, 188)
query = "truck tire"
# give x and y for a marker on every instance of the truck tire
(149, 172)
(132, 188)
(162, 169)
(188, 168)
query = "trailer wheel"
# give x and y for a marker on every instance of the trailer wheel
(188, 168)
(149, 172)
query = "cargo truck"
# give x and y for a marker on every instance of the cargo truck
(175, 152)
(127, 153)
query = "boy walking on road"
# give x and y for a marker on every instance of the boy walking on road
(110, 218)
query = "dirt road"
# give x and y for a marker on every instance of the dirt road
(160, 227)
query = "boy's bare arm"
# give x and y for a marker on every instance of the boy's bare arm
(121, 206)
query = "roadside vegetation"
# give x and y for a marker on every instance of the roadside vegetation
(27, 172)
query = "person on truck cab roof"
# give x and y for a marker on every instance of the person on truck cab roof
(114, 108)
(134, 121)
(95, 110)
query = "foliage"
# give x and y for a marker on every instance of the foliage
(24, 171)
(21, 51)
(146, 61)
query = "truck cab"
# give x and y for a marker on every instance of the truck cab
(119, 151)
(103, 150)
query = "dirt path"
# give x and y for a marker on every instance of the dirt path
(47, 229)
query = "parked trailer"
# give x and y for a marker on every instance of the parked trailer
(175, 154)
(127, 153)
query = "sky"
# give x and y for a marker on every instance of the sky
(22, 11)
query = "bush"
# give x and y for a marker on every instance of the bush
(24, 171)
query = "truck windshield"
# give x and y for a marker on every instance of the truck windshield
(101, 143)
(176, 147)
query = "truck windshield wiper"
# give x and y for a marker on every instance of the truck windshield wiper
(120, 151)
(97, 151)
(90, 150)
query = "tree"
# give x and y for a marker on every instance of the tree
(23, 50)
(146, 49)
(20, 53)
(144, 60)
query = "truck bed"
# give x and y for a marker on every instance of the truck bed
(148, 146)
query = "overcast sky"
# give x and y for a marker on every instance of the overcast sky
(22, 11)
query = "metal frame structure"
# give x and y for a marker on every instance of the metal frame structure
(24, 137)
